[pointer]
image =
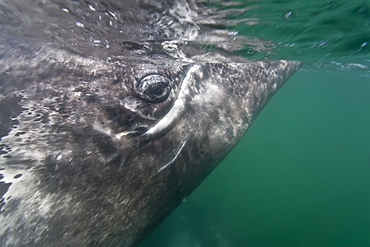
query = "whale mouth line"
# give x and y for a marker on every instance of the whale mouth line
(173, 159)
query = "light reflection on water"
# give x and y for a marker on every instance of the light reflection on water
(333, 33)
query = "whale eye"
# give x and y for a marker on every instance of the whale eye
(154, 88)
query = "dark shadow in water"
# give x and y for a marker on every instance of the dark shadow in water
(190, 226)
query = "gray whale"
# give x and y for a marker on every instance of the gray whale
(97, 153)
(94, 154)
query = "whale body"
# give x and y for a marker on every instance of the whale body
(98, 153)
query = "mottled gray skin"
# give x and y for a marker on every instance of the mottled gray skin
(89, 159)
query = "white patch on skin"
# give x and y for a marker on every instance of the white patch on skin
(30, 151)
(59, 157)
(132, 105)
(125, 133)
(174, 157)
(179, 105)
(102, 129)
(77, 94)
(129, 104)
(209, 94)
(9, 176)
(31, 205)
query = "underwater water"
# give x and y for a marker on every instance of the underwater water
(300, 176)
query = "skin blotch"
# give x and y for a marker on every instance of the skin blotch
(10, 109)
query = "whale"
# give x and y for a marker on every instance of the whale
(97, 155)
(97, 152)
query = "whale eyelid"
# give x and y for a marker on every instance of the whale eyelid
(149, 74)
(156, 78)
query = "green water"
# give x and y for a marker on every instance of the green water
(299, 177)
(310, 31)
